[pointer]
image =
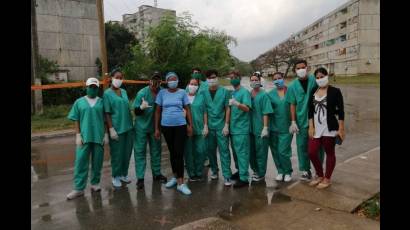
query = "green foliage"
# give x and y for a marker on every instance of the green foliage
(46, 67)
(119, 42)
(177, 44)
(244, 68)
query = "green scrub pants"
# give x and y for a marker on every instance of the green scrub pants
(82, 157)
(217, 139)
(121, 151)
(195, 152)
(140, 152)
(302, 150)
(259, 154)
(280, 146)
(241, 145)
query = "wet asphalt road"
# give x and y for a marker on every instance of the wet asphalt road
(156, 207)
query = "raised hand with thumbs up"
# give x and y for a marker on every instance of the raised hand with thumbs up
(144, 104)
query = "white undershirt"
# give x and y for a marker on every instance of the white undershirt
(321, 129)
(191, 98)
(91, 101)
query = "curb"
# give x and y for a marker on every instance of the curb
(40, 136)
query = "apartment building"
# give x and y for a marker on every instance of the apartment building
(346, 41)
(147, 16)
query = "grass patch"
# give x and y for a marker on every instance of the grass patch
(370, 208)
(54, 118)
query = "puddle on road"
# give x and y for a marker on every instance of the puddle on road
(259, 199)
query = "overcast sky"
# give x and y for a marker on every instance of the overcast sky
(258, 25)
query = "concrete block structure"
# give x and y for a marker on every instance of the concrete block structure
(346, 41)
(68, 33)
(147, 16)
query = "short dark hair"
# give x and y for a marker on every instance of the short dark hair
(321, 70)
(210, 72)
(114, 71)
(280, 73)
(196, 68)
(235, 73)
(298, 62)
(256, 75)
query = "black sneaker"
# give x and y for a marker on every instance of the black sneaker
(240, 184)
(161, 178)
(235, 176)
(306, 176)
(140, 184)
(194, 178)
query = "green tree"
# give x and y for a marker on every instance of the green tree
(178, 44)
(119, 42)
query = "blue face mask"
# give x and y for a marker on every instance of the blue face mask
(172, 84)
(279, 83)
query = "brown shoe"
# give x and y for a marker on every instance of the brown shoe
(323, 185)
(316, 181)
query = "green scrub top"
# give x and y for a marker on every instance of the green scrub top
(91, 119)
(297, 96)
(240, 120)
(145, 121)
(261, 106)
(216, 107)
(119, 109)
(279, 122)
(198, 109)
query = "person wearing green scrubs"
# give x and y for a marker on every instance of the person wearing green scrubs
(203, 85)
(218, 111)
(240, 105)
(88, 114)
(261, 109)
(144, 109)
(119, 121)
(298, 95)
(195, 146)
(280, 139)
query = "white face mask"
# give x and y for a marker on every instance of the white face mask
(301, 73)
(192, 89)
(212, 81)
(116, 83)
(322, 82)
(255, 84)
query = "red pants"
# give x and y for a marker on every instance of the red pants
(328, 144)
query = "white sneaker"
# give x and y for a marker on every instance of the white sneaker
(227, 182)
(125, 179)
(257, 178)
(279, 177)
(95, 188)
(116, 182)
(74, 194)
(288, 178)
(214, 176)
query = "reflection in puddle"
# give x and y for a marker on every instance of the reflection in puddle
(257, 200)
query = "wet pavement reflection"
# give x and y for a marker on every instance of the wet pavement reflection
(156, 207)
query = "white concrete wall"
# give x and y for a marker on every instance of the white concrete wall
(68, 33)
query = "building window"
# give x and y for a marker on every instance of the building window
(343, 25)
(330, 42)
(342, 51)
(316, 46)
(343, 38)
(344, 11)
(332, 29)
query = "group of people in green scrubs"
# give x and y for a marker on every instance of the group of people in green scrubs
(250, 122)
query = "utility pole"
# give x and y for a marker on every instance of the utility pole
(103, 48)
(36, 96)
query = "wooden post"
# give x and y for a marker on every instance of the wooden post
(103, 48)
